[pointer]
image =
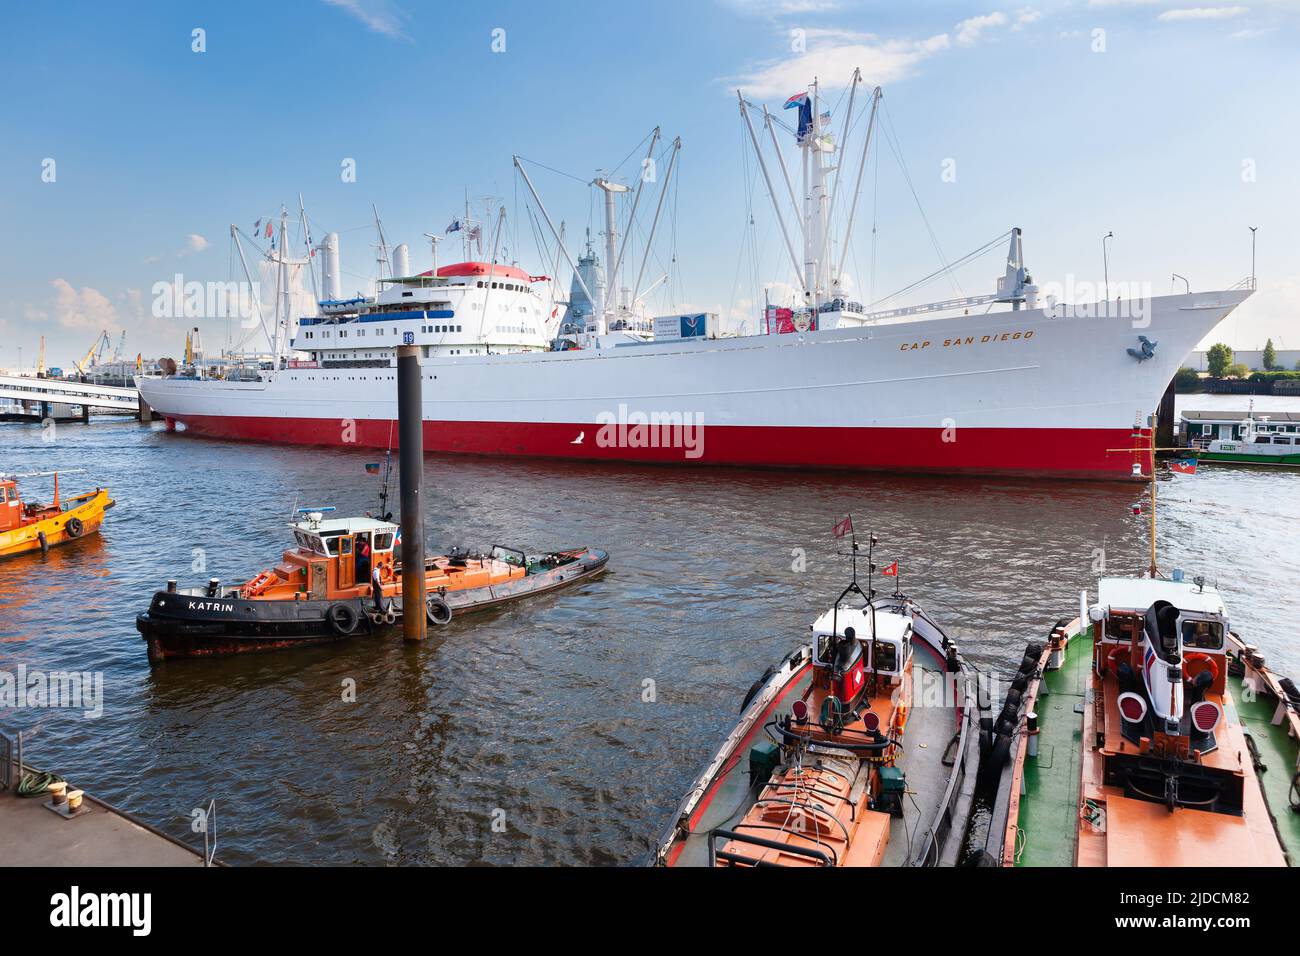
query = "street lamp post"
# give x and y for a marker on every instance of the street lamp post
(1252, 255)
(1105, 268)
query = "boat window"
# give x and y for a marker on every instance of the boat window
(383, 542)
(345, 545)
(885, 656)
(1207, 635)
(329, 543)
(1121, 627)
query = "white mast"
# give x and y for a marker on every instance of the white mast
(780, 220)
(654, 225)
(284, 287)
(609, 304)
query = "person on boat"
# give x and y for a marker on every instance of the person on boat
(363, 557)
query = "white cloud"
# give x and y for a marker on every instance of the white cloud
(381, 16)
(1251, 34)
(1123, 3)
(968, 31)
(832, 56)
(86, 308)
(195, 243)
(1025, 17)
(1202, 13)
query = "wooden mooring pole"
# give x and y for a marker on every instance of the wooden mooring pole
(410, 438)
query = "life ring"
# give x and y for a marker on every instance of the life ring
(437, 611)
(75, 528)
(1211, 664)
(342, 619)
(385, 572)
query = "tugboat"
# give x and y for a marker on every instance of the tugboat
(32, 526)
(340, 579)
(858, 749)
(1145, 731)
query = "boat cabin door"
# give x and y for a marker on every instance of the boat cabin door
(11, 508)
(347, 569)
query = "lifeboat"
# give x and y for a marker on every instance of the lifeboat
(1145, 731)
(342, 578)
(32, 526)
(858, 749)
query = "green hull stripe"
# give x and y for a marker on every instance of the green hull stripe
(1277, 751)
(1249, 459)
(1048, 817)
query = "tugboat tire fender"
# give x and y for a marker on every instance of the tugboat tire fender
(342, 619)
(75, 528)
(437, 611)
(755, 687)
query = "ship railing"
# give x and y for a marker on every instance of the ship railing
(1246, 283)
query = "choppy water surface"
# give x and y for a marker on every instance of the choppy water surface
(535, 715)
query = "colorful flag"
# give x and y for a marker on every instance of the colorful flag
(844, 527)
(269, 230)
(1183, 466)
(454, 227)
(372, 468)
(257, 227)
(891, 571)
(799, 99)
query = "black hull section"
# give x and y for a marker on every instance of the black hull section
(181, 625)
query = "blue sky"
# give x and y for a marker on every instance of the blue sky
(1175, 127)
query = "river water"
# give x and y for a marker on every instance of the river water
(562, 730)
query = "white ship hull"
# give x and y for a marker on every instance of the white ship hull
(1011, 392)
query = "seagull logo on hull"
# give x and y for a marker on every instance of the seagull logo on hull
(210, 606)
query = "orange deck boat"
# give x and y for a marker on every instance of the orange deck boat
(343, 578)
(31, 526)
(855, 751)
(1139, 741)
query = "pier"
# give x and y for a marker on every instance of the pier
(31, 834)
(44, 393)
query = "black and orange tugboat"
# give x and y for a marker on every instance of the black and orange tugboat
(342, 578)
(858, 749)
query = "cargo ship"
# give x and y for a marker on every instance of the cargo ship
(1009, 383)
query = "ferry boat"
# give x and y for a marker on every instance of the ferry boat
(1260, 444)
(342, 578)
(858, 749)
(32, 526)
(1003, 383)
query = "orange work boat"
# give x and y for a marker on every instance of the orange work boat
(857, 750)
(1145, 732)
(32, 526)
(343, 578)
(1148, 733)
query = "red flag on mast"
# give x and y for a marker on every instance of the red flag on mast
(844, 527)
(890, 571)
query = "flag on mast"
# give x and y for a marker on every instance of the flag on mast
(844, 527)
(1183, 466)
(890, 571)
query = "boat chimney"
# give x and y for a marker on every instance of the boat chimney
(333, 280)
(401, 261)
(214, 586)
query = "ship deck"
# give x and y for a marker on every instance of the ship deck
(1048, 821)
(1049, 808)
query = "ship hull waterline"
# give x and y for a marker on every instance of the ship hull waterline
(1010, 393)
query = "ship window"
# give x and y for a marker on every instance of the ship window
(885, 656)
(383, 542)
(1207, 635)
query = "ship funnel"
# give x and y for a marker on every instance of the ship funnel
(332, 279)
(401, 261)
